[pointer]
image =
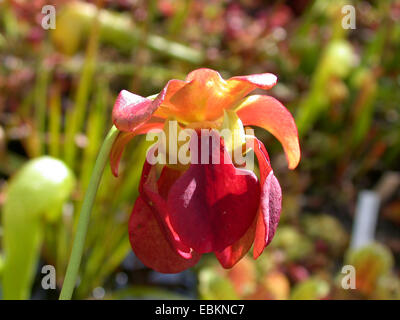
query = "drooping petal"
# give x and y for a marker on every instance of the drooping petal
(131, 111)
(167, 178)
(154, 192)
(270, 201)
(206, 94)
(150, 245)
(213, 205)
(262, 220)
(264, 162)
(261, 234)
(123, 138)
(272, 190)
(270, 212)
(233, 253)
(268, 113)
(166, 108)
(243, 85)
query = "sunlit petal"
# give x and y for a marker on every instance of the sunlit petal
(268, 113)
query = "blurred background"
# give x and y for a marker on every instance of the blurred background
(341, 206)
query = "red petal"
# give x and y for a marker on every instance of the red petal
(272, 197)
(261, 234)
(270, 202)
(154, 193)
(167, 179)
(232, 254)
(213, 205)
(123, 138)
(270, 209)
(130, 110)
(263, 158)
(149, 242)
(268, 113)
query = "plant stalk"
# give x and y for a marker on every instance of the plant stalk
(84, 217)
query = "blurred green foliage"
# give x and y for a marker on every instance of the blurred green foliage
(311, 289)
(57, 88)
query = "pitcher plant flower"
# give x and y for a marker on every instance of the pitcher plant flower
(187, 209)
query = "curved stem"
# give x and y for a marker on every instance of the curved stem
(79, 240)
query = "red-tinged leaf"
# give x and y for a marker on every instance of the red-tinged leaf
(268, 113)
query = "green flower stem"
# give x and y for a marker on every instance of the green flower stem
(79, 241)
